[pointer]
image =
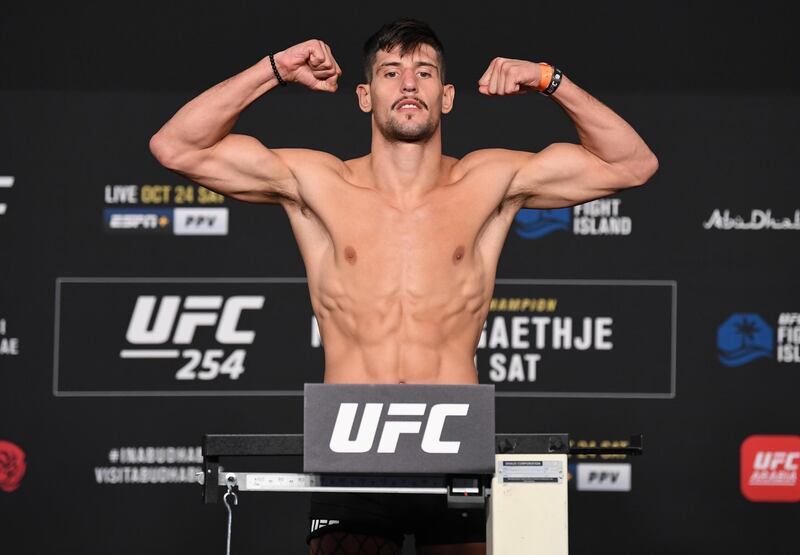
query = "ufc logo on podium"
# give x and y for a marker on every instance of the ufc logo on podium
(398, 428)
(390, 433)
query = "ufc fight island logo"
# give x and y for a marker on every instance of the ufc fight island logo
(169, 332)
(392, 429)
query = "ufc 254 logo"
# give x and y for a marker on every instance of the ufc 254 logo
(175, 323)
(392, 429)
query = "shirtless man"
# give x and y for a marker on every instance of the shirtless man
(401, 245)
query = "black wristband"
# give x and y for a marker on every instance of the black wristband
(555, 81)
(275, 71)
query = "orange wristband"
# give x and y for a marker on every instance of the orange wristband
(547, 76)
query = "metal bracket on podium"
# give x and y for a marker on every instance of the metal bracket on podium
(467, 488)
(464, 487)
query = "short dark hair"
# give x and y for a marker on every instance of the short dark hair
(407, 33)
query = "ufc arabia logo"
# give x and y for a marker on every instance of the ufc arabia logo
(392, 429)
(769, 468)
(775, 468)
(776, 460)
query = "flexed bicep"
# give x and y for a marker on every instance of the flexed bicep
(197, 141)
(238, 166)
(565, 174)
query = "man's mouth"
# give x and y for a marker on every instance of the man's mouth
(409, 105)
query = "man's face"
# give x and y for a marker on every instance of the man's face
(406, 96)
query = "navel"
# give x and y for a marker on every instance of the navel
(350, 254)
(458, 255)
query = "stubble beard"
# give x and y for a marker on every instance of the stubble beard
(403, 131)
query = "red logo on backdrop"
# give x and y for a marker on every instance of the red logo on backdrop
(12, 466)
(769, 468)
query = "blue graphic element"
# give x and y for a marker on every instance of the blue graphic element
(744, 337)
(530, 223)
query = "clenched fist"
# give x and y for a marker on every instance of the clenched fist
(507, 76)
(309, 63)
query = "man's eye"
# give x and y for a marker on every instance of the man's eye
(391, 73)
(424, 74)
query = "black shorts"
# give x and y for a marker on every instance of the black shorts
(393, 515)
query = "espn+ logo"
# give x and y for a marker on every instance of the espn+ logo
(175, 324)
(391, 431)
(769, 467)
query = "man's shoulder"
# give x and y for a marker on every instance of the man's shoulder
(308, 159)
(490, 159)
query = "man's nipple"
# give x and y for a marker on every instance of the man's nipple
(458, 255)
(350, 254)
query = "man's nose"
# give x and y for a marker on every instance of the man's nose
(409, 81)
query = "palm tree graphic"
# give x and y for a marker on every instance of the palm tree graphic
(746, 329)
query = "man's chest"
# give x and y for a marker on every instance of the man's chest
(453, 230)
(454, 213)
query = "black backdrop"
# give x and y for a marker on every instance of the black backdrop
(713, 91)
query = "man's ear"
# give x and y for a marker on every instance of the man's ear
(448, 97)
(364, 99)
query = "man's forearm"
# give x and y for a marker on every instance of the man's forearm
(602, 132)
(208, 118)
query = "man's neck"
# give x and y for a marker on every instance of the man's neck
(406, 171)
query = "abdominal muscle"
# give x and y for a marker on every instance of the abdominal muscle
(388, 331)
(398, 360)
(395, 362)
